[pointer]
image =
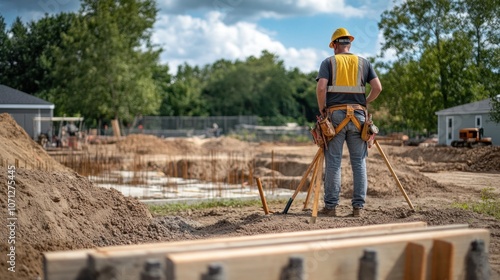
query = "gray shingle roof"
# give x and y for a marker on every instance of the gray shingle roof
(10, 96)
(478, 107)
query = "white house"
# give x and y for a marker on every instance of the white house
(475, 114)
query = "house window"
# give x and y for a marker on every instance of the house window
(479, 122)
(449, 129)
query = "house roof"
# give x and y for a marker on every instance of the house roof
(478, 107)
(14, 99)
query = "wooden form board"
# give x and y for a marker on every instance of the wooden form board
(333, 259)
(67, 265)
(64, 264)
(129, 264)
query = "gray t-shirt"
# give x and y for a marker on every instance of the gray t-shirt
(346, 98)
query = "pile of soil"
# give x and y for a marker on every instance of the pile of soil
(17, 145)
(433, 159)
(58, 209)
(226, 144)
(143, 144)
(147, 144)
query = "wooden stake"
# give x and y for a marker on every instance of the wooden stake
(262, 197)
(303, 180)
(317, 188)
(393, 174)
(311, 184)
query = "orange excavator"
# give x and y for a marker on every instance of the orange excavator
(471, 137)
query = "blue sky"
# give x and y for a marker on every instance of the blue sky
(199, 32)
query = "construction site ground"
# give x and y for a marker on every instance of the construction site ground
(59, 209)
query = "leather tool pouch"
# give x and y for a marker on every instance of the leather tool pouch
(323, 132)
(317, 136)
(364, 131)
(326, 127)
(369, 129)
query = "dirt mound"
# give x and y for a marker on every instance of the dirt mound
(482, 159)
(150, 145)
(225, 144)
(59, 209)
(17, 145)
(486, 159)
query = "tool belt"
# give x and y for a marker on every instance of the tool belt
(366, 132)
(323, 131)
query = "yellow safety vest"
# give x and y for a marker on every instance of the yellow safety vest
(347, 70)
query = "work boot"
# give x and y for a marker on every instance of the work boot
(356, 211)
(331, 212)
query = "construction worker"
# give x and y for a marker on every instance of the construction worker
(342, 97)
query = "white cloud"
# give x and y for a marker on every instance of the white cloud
(389, 55)
(237, 10)
(201, 41)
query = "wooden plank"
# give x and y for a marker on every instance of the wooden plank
(442, 266)
(130, 262)
(415, 262)
(294, 236)
(63, 264)
(67, 265)
(330, 259)
(140, 252)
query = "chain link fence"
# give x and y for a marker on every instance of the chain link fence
(243, 127)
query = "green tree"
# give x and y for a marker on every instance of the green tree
(257, 86)
(416, 26)
(26, 51)
(304, 94)
(17, 56)
(481, 24)
(43, 35)
(183, 96)
(4, 49)
(441, 54)
(104, 66)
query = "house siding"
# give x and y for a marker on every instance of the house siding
(24, 118)
(491, 129)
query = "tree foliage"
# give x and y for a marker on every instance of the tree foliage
(258, 86)
(25, 51)
(445, 52)
(104, 66)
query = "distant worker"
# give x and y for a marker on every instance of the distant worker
(215, 128)
(72, 129)
(340, 92)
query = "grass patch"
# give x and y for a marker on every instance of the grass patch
(489, 204)
(170, 208)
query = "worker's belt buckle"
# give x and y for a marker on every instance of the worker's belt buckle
(349, 111)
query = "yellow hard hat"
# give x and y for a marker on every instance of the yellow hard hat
(339, 33)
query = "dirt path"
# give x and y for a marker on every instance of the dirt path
(468, 180)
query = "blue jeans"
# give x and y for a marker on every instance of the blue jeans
(358, 151)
